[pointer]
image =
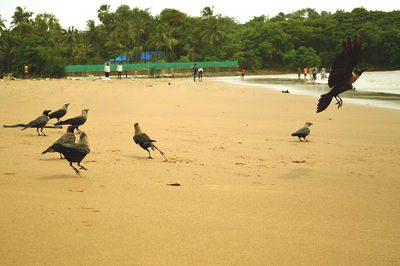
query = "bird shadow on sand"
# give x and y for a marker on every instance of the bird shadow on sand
(53, 177)
(136, 157)
(35, 136)
(51, 159)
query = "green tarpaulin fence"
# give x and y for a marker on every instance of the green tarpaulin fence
(78, 68)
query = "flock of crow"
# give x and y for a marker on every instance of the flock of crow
(74, 152)
(342, 75)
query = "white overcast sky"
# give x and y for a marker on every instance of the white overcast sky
(77, 12)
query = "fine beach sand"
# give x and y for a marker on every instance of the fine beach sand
(250, 193)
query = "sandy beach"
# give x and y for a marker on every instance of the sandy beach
(249, 194)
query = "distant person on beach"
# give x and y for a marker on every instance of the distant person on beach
(323, 75)
(242, 73)
(194, 72)
(33, 71)
(314, 71)
(298, 72)
(119, 70)
(107, 70)
(154, 72)
(305, 72)
(26, 71)
(200, 73)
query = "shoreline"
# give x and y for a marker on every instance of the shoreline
(374, 98)
(250, 192)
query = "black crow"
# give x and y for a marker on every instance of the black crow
(74, 152)
(303, 132)
(144, 141)
(39, 122)
(68, 137)
(76, 121)
(59, 113)
(343, 73)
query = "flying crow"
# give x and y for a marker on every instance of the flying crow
(343, 73)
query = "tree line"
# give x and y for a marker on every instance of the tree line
(284, 42)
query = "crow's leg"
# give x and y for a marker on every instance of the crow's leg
(339, 101)
(38, 133)
(42, 132)
(305, 139)
(299, 138)
(81, 166)
(77, 129)
(61, 157)
(159, 150)
(76, 170)
(149, 154)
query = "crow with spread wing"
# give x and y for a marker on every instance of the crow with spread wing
(343, 73)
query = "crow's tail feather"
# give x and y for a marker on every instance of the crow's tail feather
(49, 149)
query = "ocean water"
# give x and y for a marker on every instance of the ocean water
(378, 88)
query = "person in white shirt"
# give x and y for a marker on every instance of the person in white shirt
(119, 70)
(200, 73)
(107, 70)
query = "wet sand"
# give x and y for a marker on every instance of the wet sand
(249, 194)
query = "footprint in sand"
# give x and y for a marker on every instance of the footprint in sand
(176, 160)
(76, 190)
(90, 209)
(13, 174)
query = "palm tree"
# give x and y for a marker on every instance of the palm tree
(91, 30)
(8, 48)
(207, 12)
(69, 39)
(2, 25)
(164, 39)
(21, 16)
(214, 26)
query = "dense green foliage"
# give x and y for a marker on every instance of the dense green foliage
(287, 41)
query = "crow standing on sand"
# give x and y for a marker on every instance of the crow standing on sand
(59, 113)
(343, 73)
(144, 141)
(68, 137)
(303, 132)
(76, 121)
(74, 152)
(39, 122)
